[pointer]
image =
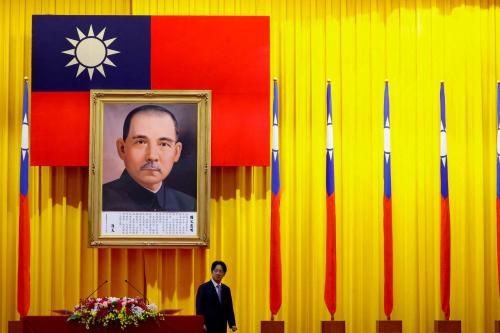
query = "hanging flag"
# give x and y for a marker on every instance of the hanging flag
(275, 262)
(445, 215)
(23, 265)
(228, 55)
(498, 183)
(388, 261)
(331, 233)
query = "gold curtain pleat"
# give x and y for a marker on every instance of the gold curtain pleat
(357, 44)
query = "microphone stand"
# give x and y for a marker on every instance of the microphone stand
(99, 287)
(68, 312)
(144, 296)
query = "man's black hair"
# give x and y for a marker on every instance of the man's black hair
(146, 108)
(218, 262)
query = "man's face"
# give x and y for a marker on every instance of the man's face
(218, 273)
(151, 148)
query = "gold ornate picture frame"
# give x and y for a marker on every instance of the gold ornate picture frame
(149, 170)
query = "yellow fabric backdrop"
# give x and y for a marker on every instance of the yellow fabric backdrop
(358, 44)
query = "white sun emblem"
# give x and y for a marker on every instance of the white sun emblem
(90, 52)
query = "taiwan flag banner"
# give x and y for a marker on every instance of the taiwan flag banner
(331, 227)
(445, 214)
(275, 284)
(388, 244)
(23, 260)
(225, 54)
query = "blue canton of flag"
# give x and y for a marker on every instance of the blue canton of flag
(444, 154)
(91, 52)
(330, 176)
(275, 154)
(387, 145)
(25, 145)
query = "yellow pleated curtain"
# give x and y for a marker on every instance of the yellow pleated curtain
(357, 44)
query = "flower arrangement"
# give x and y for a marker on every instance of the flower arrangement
(124, 311)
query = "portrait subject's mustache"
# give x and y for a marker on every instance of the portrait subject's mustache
(151, 165)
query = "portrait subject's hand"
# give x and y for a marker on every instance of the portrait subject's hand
(204, 327)
(234, 328)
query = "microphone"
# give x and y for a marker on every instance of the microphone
(144, 296)
(99, 287)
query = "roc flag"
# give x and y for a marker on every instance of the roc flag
(388, 285)
(445, 215)
(331, 237)
(23, 264)
(275, 262)
(72, 54)
(498, 183)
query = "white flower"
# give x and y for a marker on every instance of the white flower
(138, 311)
(152, 307)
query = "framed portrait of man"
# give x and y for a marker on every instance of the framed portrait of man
(149, 170)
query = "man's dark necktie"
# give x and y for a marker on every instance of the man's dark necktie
(219, 294)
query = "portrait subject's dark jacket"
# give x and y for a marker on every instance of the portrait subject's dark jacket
(217, 314)
(124, 194)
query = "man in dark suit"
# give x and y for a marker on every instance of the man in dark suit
(214, 302)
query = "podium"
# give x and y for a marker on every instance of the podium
(447, 326)
(272, 326)
(389, 326)
(333, 326)
(170, 324)
(15, 326)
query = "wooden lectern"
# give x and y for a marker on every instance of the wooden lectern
(447, 326)
(497, 326)
(60, 324)
(272, 326)
(389, 326)
(333, 326)
(15, 326)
